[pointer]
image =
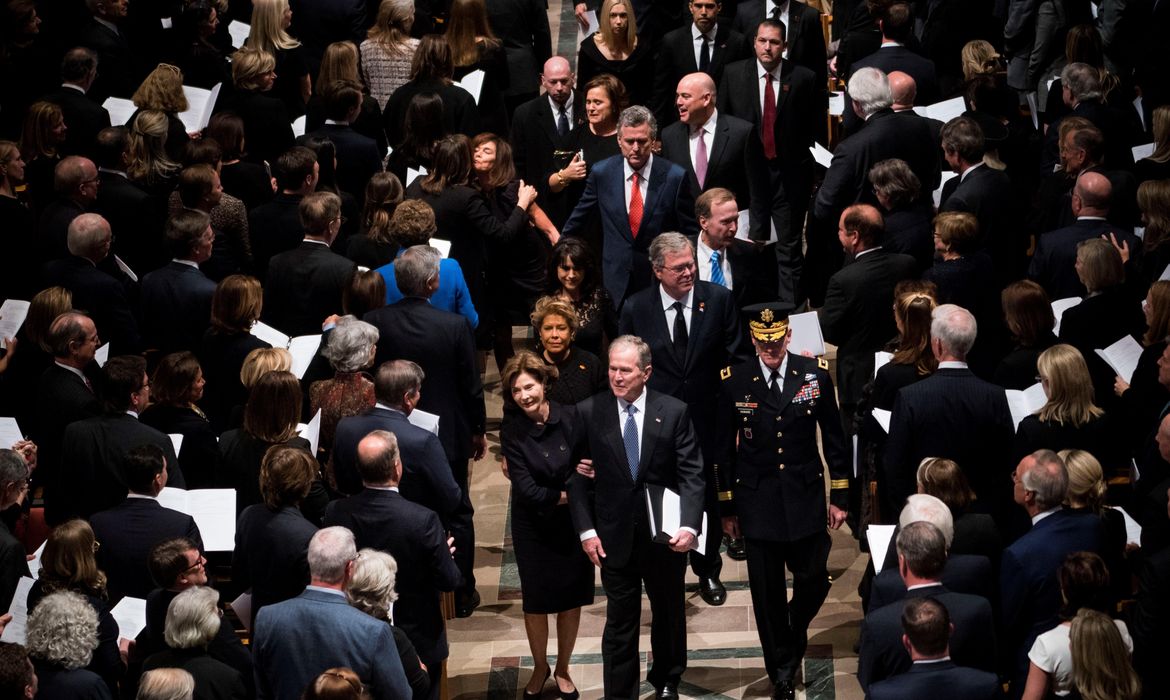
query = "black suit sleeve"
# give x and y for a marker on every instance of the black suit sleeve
(580, 488)
(472, 386)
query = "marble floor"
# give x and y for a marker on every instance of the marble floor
(489, 650)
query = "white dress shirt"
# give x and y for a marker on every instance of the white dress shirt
(688, 311)
(779, 370)
(763, 84)
(697, 40)
(968, 170)
(703, 252)
(556, 110)
(708, 132)
(643, 181)
(784, 19)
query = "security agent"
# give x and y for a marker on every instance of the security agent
(770, 481)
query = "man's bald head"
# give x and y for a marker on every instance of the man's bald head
(904, 90)
(378, 459)
(75, 177)
(89, 237)
(557, 79)
(699, 82)
(1092, 194)
(695, 99)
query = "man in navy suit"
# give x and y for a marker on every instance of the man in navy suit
(748, 269)
(921, 555)
(1029, 590)
(951, 414)
(305, 284)
(426, 478)
(718, 150)
(130, 530)
(295, 640)
(637, 196)
(381, 518)
(176, 299)
(1054, 262)
(926, 633)
(703, 45)
(632, 438)
(358, 156)
(84, 116)
(896, 23)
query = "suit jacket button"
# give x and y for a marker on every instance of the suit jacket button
(780, 451)
(779, 434)
(781, 467)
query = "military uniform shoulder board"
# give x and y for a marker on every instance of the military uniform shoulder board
(725, 373)
(822, 363)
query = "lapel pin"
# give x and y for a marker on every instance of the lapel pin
(702, 307)
(657, 420)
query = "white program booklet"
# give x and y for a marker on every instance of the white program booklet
(303, 348)
(881, 359)
(130, 614)
(879, 543)
(943, 111)
(239, 33)
(214, 511)
(311, 431)
(120, 110)
(413, 174)
(444, 247)
(14, 633)
(12, 315)
(1122, 356)
(298, 125)
(200, 103)
(820, 154)
(10, 433)
(1059, 307)
(34, 564)
(473, 83)
(672, 518)
(806, 334)
(1143, 151)
(591, 20)
(102, 356)
(882, 416)
(1024, 403)
(424, 420)
(937, 194)
(243, 608)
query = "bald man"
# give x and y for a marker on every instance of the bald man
(858, 314)
(718, 150)
(540, 128)
(1053, 264)
(682, 52)
(75, 182)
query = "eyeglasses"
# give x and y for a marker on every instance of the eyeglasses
(199, 563)
(680, 269)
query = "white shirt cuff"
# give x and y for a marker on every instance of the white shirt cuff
(588, 534)
(691, 530)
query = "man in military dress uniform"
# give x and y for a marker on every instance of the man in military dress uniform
(770, 481)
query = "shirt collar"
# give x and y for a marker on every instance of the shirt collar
(384, 407)
(381, 488)
(709, 125)
(71, 86)
(323, 589)
(314, 240)
(639, 403)
(952, 364)
(120, 173)
(924, 585)
(696, 35)
(73, 370)
(668, 301)
(760, 70)
(190, 263)
(556, 108)
(1040, 516)
(108, 25)
(133, 414)
(703, 251)
(334, 122)
(783, 5)
(145, 496)
(968, 170)
(768, 371)
(644, 173)
(867, 250)
(933, 661)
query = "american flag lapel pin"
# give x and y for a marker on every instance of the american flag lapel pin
(657, 420)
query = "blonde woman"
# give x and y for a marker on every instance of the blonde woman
(151, 167)
(1101, 666)
(270, 22)
(979, 57)
(615, 49)
(388, 49)
(267, 128)
(18, 280)
(1156, 166)
(162, 91)
(1142, 398)
(1086, 494)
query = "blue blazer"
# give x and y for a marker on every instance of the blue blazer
(176, 307)
(669, 206)
(936, 680)
(452, 294)
(294, 641)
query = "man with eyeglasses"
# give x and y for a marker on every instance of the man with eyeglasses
(692, 328)
(130, 529)
(76, 184)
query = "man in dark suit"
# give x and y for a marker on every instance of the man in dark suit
(297, 639)
(951, 414)
(275, 226)
(176, 299)
(442, 344)
(76, 184)
(784, 103)
(426, 478)
(926, 635)
(1029, 589)
(65, 394)
(522, 26)
(93, 290)
(83, 116)
(638, 197)
(540, 128)
(130, 530)
(1084, 96)
(692, 328)
(985, 192)
(718, 150)
(634, 438)
(704, 45)
(104, 34)
(897, 27)
(1054, 262)
(381, 518)
(748, 269)
(134, 215)
(858, 314)
(802, 24)
(772, 489)
(305, 285)
(358, 156)
(885, 135)
(94, 449)
(921, 555)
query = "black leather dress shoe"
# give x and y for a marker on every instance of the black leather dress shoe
(784, 690)
(736, 549)
(667, 692)
(712, 591)
(465, 607)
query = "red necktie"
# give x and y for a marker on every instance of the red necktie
(768, 130)
(635, 205)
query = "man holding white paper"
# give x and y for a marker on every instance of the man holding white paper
(632, 437)
(770, 482)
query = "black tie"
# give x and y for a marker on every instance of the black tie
(680, 332)
(774, 381)
(563, 123)
(705, 55)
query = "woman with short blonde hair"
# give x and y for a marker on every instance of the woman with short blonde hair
(162, 91)
(270, 22)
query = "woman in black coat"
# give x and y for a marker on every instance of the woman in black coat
(907, 217)
(1029, 318)
(433, 71)
(555, 576)
(615, 48)
(235, 307)
(1141, 399)
(192, 624)
(175, 389)
(267, 128)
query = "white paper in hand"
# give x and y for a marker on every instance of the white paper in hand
(298, 125)
(424, 420)
(820, 154)
(943, 111)
(1024, 403)
(881, 359)
(34, 564)
(473, 83)
(1144, 151)
(937, 194)
(176, 441)
(1059, 307)
(130, 614)
(412, 174)
(592, 26)
(444, 247)
(806, 335)
(125, 269)
(879, 543)
(102, 356)
(243, 608)
(9, 432)
(672, 518)
(120, 110)
(269, 335)
(312, 432)
(303, 349)
(12, 315)
(14, 633)
(882, 416)
(214, 511)
(239, 33)
(1122, 357)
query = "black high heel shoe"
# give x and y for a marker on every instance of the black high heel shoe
(537, 694)
(570, 695)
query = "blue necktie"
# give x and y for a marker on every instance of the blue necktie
(717, 270)
(630, 437)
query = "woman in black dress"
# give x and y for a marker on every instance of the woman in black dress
(432, 70)
(18, 278)
(249, 182)
(474, 46)
(616, 48)
(202, 62)
(573, 276)
(422, 127)
(1142, 398)
(907, 217)
(40, 140)
(267, 128)
(373, 247)
(555, 576)
(235, 307)
(1153, 198)
(269, 34)
(162, 91)
(175, 388)
(1028, 314)
(516, 267)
